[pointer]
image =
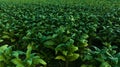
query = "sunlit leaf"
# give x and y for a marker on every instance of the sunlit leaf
(60, 58)
(73, 57)
(29, 49)
(17, 62)
(5, 37)
(1, 40)
(3, 48)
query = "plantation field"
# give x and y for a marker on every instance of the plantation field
(70, 2)
(59, 33)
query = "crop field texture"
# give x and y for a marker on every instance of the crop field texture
(59, 33)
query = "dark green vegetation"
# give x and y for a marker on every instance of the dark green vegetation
(33, 35)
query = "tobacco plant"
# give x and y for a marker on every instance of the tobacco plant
(8, 57)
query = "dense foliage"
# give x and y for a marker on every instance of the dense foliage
(59, 36)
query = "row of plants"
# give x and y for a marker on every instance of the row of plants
(18, 58)
(59, 36)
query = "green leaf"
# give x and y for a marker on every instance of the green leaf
(42, 61)
(114, 60)
(66, 38)
(85, 44)
(73, 48)
(49, 43)
(54, 35)
(60, 58)
(61, 29)
(29, 49)
(3, 48)
(17, 62)
(71, 41)
(29, 61)
(105, 64)
(1, 40)
(73, 57)
(38, 60)
(17, 53)
(85, 36)
(65, 53)
(61, 47)
(88, 57)
(5, 37)
(12, 40)
(4, 32)
(8, 52)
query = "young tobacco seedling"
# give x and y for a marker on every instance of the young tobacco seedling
(68, 52)
(31, 59)
(106, 57)
(83, 40)
(5, 55)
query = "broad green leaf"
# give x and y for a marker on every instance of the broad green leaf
(5, 37)
(61, 47)
(29, 61)
(42, 61)
(71, 41)
(60, 58)
(29, 49)
(73, 48)
(61, 29)
(50, 42)
(54, 35)
(88, 57)
(17, 53)
(8, 52)
(96, 48)
(1, 40)
(85, 36)
(65, 53)
(100, 59)
(5, 32)
(108, 53)
(73, 57)
(105, 64)
(17, 62)
(83, 41)
(114, 60)
(38, 60)
(85, 44)
(12, 40)
(66, 38)
(68, 32)
(3, 48)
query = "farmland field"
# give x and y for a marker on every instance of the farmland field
(59, 33)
